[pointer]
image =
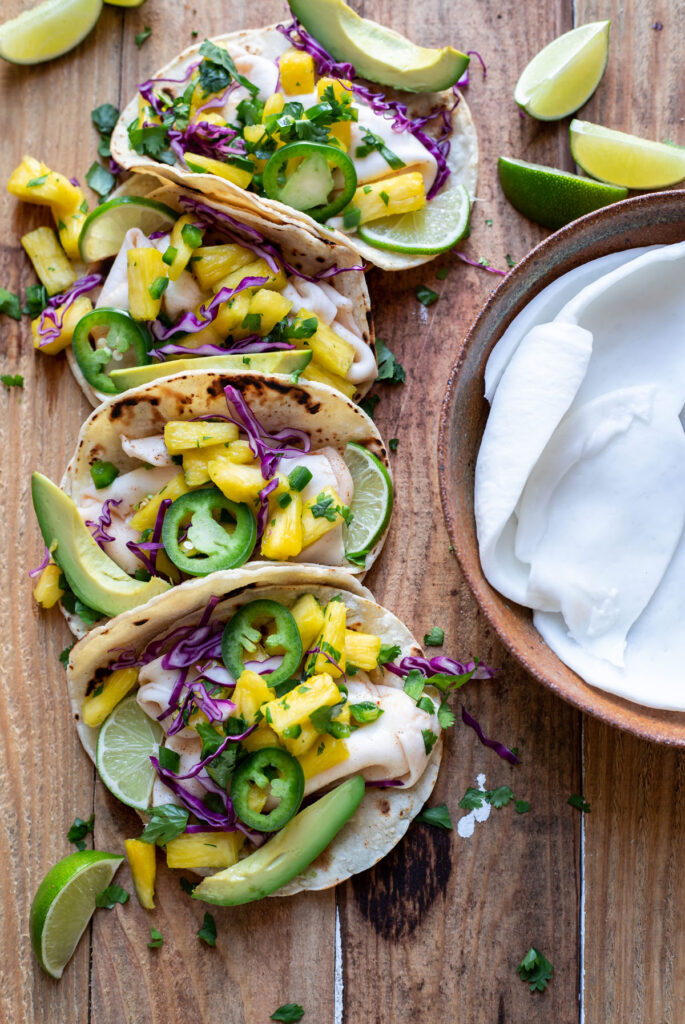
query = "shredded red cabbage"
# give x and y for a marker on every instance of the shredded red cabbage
(217, 709)
(317, 650)
(51, 321)
(217, 100)
(261, 442)
(103, 522)
(146, 550)
(464, 80)
(439, 665)
(146, 89)
(263, 514)
(383, 783)
(481, 266)
(205, 139)
(217, 674)
(191, 322)
(39, 568)
(266, 667)
(226, 820)
(499, 748)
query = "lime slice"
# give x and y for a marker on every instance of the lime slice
(126, 740)
(564, 75)
(257, 362)
(435, 228)
(551, 197)
(625, 159)
(48, 30)
(104, 228)
(64, 904)
(371, 503)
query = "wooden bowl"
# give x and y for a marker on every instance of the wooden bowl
(645, 220)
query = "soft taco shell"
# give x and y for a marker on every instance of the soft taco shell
(384, 814)
(269, 43)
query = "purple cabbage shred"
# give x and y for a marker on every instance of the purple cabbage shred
(100, 525)
(51, 321)
(499, 748)
(39, 568)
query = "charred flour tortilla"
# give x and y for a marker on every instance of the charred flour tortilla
(384, 814)
(270, 44)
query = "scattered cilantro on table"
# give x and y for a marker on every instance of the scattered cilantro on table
(208, 931)
(142, 36)
(10, 304)
(576, 800)
(156, 939)
(110, 896)
(536, 970)
(289, 1013)
(166, 822)
(438, 816)
(12, 380)
(79, 830)
(426, 296)
(435, 637)
(389, 368)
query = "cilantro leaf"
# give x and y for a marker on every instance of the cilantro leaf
(442, 273)
(36, 299)
(500, 797)
(473, 799)
(105, 118)
(389, 369)
(220, 768)
(393, 443)
(79, 830)
(368, 404)
(9, 304)
(522, 806)
(429, 739)
(217, 55)
(100, 179)
(414, 684)
(437, 816)
(166, 822)
(580, 802)
(323, 720)
(323, 508)
(142, 36)
(289, 1013)
(12, 380)
(208, 931)
(156, 939)
(187, 886)
(366, 711)
(150, 140)
(388, 652)
(536, 970)
(510, 262)
(426, 704)
(370, 141)
(435, 637)
(64, 656)
(426, 296)
(446, 717)
(169, 759)
(110, 896)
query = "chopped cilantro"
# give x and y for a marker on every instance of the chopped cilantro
(429, 739)
(166, 822)
(393, 443)
(188, 887)
(156, 939)
(221, 767)
(208, 931)
(284, 500)
(388, 652)
(384, 196)
(158, 287)
(489, 222)
(442, 273)
(64, 656)
(366, 711)
(323, 508)
(368, 404)
(580, 802)
(370, 141)
(169, 759)
(426, 704)
(426, 296)
(100, 179)
(510, 261)
(105, 118)
(435, 637)
(289, 1013)
(37, 182)
(12, 380)
(36, 299)
(501, 796)
(10, 304)
(437, 816)
(522, 806)
(414, 684)
(150, 140)
(389, 369)
(323, 720)
(142, 36)
(110, 896)
(536, 970)
(352, 217)
(79, 830)
(483, 262)
(219, 58)
(445, 716)
(252, 322)
(475, 798)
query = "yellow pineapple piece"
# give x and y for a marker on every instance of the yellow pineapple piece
(106, 695)
(362, 649)
(321, 376)
(34, 182)
(211, 117)
(231, 314)
(215, 261)
(68, 318)
(285, 714)
(239, 452)
(183, 250)
(270, 307)
(143, 863)
(253, 133)
(196, 460)
(207, 165)
(237, 482)
(332, 640)
(251, 691)
(145, 271)
(316, 526)
(204, 850)
(308, 615)
(263, 736)
(258, 268)
(47, 591)
(146, 113)
(401, 194)
(282, 537)
(330, 351)
(323, 755)
(297, 72)
(49, 260)
(146, 515)
(182, 435)
(69, 221)
(273, 105)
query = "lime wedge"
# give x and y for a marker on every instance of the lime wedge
(48, 30)
(371, 503)
(564, 75)
(64, 904)
(625, 159)
(435, 228)
(104, 228)
(254, 362)
(126, 740)
(551, 197)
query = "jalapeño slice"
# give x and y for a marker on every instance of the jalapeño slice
(125, 343)
(308, 187)
(203, 517)
(269, 772)
(245, 630)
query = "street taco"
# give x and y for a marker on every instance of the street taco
(204, 472)
(277, 670)
(267, 119)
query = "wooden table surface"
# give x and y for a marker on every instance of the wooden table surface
(435, 932)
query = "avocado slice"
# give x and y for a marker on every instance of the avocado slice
(290, 851)
(376, 52)
(92, 575)
(287, 361)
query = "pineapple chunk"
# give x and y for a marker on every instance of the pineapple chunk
(47, 590)
(285, 713)
(231, 314)
(145, 268)
(273, 105)
(253, 133)
(146, 516)
(196, 460)
(296, 72)
(315, 372)
(263, 736)
(238, 483)
(69, 221)
(362, 649)
(143, 863)
(402, 194)
(239, 452)
(211, 117)
(327, 753)
(107, 695)
(69, 319)
(204, 850)
(332, 641)
(259, 268)
(283, 534)
(34, 182)
(270, 307)
(181, 435)
(230, 172)
(251, 691)
(49, 260)
(183, 250)
(314, 527)
(308, 615)
(215, 261)
(329, 350)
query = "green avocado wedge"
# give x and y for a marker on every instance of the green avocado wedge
(290, 851)
(258, 362)
(378, 53)
(96, 580)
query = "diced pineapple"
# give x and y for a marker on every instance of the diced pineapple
(49, 260)
(324, 755)
(240, 452)
(146, 113)
(362, 649)
(316, 526)
(211, 117)
(215, 261)
(196, 460)
(402, 194)
(230, 172)
(143, 863)
(282, 537)
(270, 307)
(301, 738)
(315, 372)
(69, 221)
(145, 268)
(251, 691)
(237, 482)
(231, 314)
(263, 736)
(106, 695)
(69, 319)
(182, 435)
(332, 640)
(293, 709)
(47, 591)
(146, 516)
(308, 615)
(259, 268)
(329, 350)
(183, 250)
(253, 133)
(204, 850)
(296, 72)
(34, 182)
(273, 105)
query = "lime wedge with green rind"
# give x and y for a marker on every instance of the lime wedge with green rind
(127, 739)
(64, 904)
(105, 227)
(47, 31)
(623, 159)
(435, 228)
(551, 197)
(371, 502)
(564, 75)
